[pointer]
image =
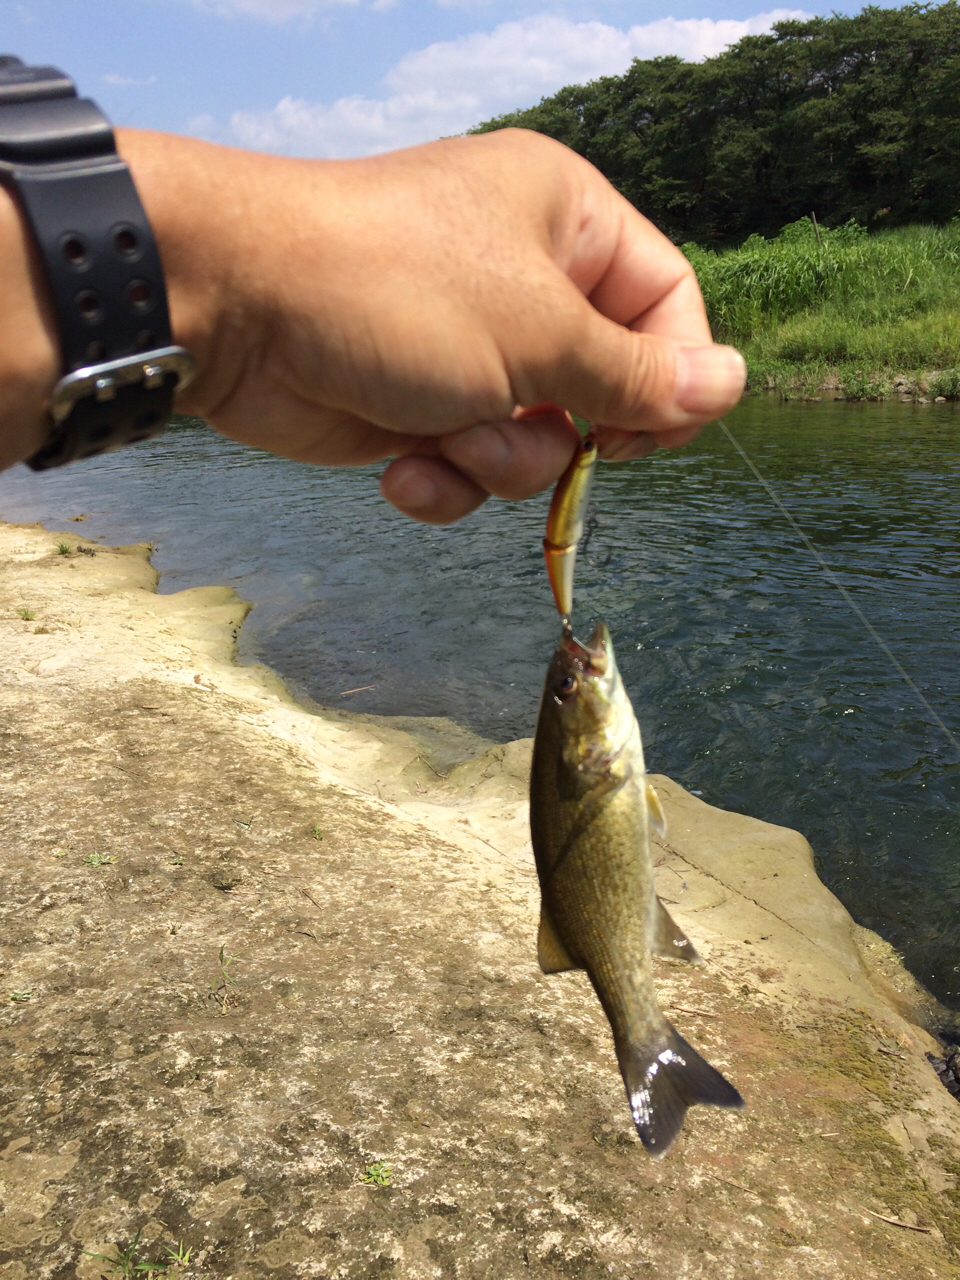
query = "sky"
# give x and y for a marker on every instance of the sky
(340, 78)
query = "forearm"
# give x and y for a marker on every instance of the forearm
(405, 306)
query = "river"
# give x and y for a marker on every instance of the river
(756, 684)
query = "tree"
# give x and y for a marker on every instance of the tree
(852, 117)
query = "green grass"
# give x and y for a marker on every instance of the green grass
(125, 1262)
(180, 1256)
(377, 1174)
(855, 312)
(27, 615)
(98, 859)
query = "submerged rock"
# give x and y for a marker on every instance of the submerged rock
(948, 1069)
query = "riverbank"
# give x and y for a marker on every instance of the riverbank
(250, 951)
(820, 311)
(816, 380)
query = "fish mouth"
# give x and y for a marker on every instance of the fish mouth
(594, 656)
(602, 696)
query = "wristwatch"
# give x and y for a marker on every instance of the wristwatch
(119, 365)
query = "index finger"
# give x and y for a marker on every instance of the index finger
(642, 281)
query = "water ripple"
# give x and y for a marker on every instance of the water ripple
(755, 683)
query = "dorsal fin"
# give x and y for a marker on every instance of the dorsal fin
(669, 940)
(552, 954)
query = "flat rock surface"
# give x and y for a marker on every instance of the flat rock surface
(251, 953)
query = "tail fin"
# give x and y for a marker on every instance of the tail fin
(662, 1080)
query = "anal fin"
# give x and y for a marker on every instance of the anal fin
(669, 940)
(552, 954)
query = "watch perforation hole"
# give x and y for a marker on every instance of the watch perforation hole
(74, 250)
(89, 306)
(139, 295)
(125, 242)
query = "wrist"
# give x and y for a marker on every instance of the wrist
(29, 356)
(196, 197)
(174, 177)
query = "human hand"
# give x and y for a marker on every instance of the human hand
(410, 304)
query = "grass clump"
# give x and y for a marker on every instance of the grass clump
(946, 383)
(27, 615)
(125, 1262)
(814, 307)
(221, 990)
(180, 1256)
(377, 1174)
(98, 859)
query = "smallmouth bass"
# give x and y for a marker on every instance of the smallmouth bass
(591, 809)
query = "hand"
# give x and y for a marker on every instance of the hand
(409, 305)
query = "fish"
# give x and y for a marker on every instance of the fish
(591, 813)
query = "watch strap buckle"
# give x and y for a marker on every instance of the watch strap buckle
(102, 381)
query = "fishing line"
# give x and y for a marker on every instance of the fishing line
(871, 630)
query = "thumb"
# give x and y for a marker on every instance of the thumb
(643, 382)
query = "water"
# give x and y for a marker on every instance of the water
(755, 684)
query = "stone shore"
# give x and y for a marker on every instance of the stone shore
(250, 951)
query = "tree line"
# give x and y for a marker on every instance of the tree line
(848, 117)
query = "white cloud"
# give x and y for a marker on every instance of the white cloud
(202, 126)
(127, 81)
(266, 10)
(447, 87)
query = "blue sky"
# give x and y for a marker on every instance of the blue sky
(351, 77)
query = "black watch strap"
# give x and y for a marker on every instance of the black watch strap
(119, 364)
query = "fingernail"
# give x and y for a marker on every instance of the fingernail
(709, 379)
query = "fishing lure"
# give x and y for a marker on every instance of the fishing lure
(565, 524)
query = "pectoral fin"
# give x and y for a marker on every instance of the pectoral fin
(669, 940)
(552, 954)
(658, 818)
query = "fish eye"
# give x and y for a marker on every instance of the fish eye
(567, 687)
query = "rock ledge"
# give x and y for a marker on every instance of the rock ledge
(249, 951)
